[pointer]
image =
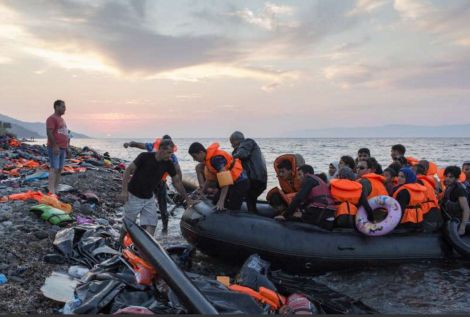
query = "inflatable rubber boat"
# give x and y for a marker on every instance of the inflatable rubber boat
(301, 247)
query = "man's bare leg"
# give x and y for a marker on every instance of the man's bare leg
(150, 229)
(52, 180)
(57, 179)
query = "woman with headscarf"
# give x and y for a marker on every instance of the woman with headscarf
(333, 169)
(410, 195)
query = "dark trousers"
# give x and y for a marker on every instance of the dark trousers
(321, 217)
(160, 193)
(235, 196)
(256, 189)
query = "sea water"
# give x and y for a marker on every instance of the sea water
(409, 288)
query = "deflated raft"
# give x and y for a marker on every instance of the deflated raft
(300, 247)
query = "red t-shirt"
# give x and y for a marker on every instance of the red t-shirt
(59, 130)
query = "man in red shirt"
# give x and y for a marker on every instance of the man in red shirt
(57, 143)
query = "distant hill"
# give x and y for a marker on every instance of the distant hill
(24, 129)
(386, 131)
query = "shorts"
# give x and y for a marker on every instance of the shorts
(56, 161)
(145, 207)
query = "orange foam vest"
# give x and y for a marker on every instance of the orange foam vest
(212, 151)
(377, 184)
(347, 193)
(414, 211)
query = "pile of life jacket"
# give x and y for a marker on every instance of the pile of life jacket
(50, 200)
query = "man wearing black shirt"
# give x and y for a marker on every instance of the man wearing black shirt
(137, 190)
(455, 201)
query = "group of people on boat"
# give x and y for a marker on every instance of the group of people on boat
(424, 192)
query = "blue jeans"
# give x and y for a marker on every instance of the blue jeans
(56, 161)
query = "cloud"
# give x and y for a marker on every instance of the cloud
(367, 6)
(115, 34)
(197, 73)
(269, 18)
(443, 75)
(448, 20)
(350, 75)
(450, 74)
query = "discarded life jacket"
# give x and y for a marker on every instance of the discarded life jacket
(319, 196)
(53, 215)
(346, 194)
(377, 185)
(212, 151)
(414, 211)
(50, 200)
(264, 295)
(144, 272)
(298, 304)
(14, 143)
(67, 169)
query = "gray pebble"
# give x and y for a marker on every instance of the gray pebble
(41, 234)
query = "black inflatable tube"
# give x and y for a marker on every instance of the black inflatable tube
(189, 295)
(299, 247)
(451, 233)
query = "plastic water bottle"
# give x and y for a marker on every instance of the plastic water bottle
(3, 279)
(70, 306)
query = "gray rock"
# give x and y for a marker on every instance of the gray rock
(56, 227)
(7, 223)
(41, 234)
(102, 221)
(5, 216)
(87, 209)
(76, 205)
(17, 279)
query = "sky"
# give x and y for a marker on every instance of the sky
(206, 68)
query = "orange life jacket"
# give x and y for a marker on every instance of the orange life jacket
(212, 151)
(347, 194)
(411, 160)
(157, 142)
(208, 175)
(432, 169)
(442, 185)
(286, 197)
(377, 185)
(431, 199)
(294, 185)
(144, 272)
(414, 211)
(264, 295)
(31, 164)
(440, 174)
(14, 143)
